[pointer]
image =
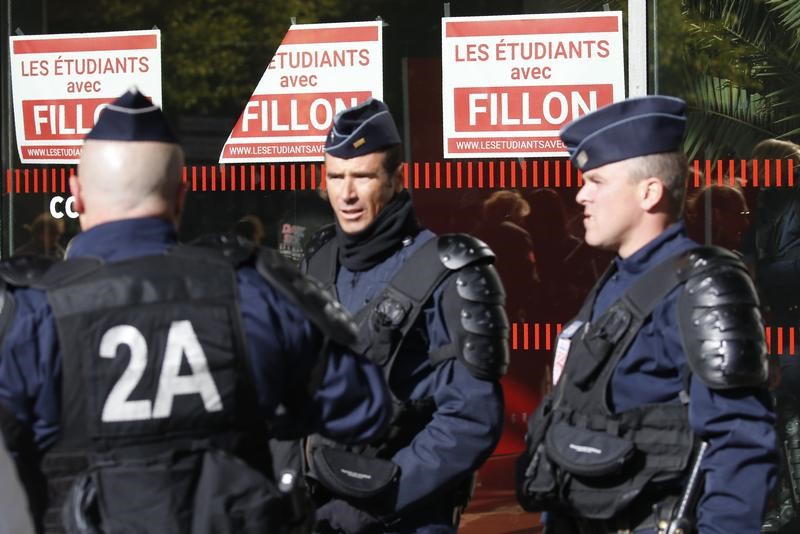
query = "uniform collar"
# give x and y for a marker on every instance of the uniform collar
(668, 242)
(119, 240)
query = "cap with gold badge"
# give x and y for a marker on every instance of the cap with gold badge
(626, 129)
(362, 129)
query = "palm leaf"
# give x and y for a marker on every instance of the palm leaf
(788, 12)
(724, 119)
(750, 51)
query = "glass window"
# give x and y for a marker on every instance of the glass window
(737, 64)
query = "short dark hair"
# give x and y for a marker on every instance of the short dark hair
(393, 158)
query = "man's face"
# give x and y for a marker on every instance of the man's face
(358, 189)
(611, 209)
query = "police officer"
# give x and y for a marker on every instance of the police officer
(659, 415)
(140, 377)
(430, 312)
(774, 249)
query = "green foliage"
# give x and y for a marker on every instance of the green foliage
(724, 118)
(736, 62)
(741, 74)
(217, 51)
(788, 11)
(214, 52)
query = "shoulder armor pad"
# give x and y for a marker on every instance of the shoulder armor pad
(720, 322)
(320, 237)
(19, 271)
(232, 247)
(459, 250)
(307, 294)
(480, 283)
(66, 271)
(25, 271)
(480, 333)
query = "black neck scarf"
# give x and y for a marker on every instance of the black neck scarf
(365, 249)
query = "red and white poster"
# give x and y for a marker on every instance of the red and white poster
(60, 83)
(317, 71)
(510, 83)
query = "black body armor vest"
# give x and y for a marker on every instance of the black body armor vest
(160, 429)
(583, 458)
(159, 425)
(478, 329)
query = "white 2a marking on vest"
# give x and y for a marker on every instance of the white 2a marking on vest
(181, 341)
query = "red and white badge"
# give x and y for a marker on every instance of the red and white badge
(562, 348)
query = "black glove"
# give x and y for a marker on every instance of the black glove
(341, 516)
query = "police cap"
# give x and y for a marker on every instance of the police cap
(627, 129)
(132, 117)
(362, 129)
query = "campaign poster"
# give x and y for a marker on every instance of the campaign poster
(61, 83)
(510, 83)
(317, 71)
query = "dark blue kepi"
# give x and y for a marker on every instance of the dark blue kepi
(627, 129)
(362, 129)
(132, 117)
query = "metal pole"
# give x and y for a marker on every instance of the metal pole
(637, 48)
(6, 239)
(708, 211)
(406, 114)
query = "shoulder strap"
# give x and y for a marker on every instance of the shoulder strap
(25, 270)
(651, 288)
(397, 307)
(38, 272)
(622, 321)
(387, 319)
(585, 313)
(410, 281)
(436, 258)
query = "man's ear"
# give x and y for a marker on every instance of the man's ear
(651, 193)
(77, 193)
(398, 179)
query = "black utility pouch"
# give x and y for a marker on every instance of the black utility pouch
(539, 422)
(597, 344)
(585, 452)
(135, 495)
(349, 474)
(233, 498)
(539, 482)
(193, 492)
(535, 477)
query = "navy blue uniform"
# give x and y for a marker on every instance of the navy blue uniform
(738, 424)
(467, 422)
(351, 403)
